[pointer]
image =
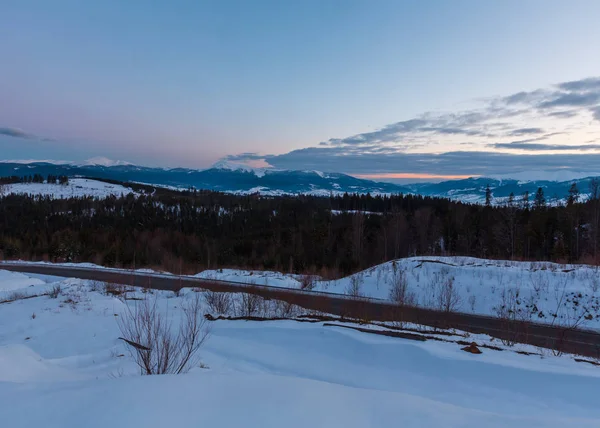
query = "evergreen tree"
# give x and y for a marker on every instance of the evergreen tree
(511, 199)
(573, 197)
(540, 199)
(525, 200)
(488, 196)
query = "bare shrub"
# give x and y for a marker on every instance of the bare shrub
(97, 286)
(514, 310)
(249, 305)
(448, 297)
(220, 303)
(55, 291)
(573, 311)
(355, 287)
(111, 289)
(399, 292)
(155, 346)
(540, 283)
(281, 309)
(307, 282)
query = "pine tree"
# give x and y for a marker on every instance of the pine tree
(488, 196)
(511, 199)
(540, 199)
(525, 200)
(573, 197)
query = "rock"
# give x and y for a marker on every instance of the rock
(472, 348)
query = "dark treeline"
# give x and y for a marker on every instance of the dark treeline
(35, 178)
(193, 230)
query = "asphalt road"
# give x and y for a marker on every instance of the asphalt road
(576, 341)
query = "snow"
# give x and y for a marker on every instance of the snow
(95, 161)
(77, 187)
(535, 291)
(257, 277)
(10, 281)
(103, 161)
(28, 161)
(233, 166)
(65, 367)
(542, 292)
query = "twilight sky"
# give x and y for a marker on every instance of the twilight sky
(386, 89)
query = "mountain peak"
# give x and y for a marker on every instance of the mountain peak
(103, 161)
(234, 166)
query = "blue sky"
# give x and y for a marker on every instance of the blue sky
(376, 88)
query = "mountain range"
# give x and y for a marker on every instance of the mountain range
(226, 177)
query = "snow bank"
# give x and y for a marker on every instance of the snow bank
(20, 364)
(10, 281)
(257, 277)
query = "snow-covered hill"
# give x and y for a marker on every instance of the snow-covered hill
(534, 291)
(62, 365)
(76, 187)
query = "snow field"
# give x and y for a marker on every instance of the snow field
(62, 365)
(77, 187)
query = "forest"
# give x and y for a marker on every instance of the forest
(193, 230)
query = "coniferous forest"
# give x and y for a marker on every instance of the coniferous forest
(194, 230)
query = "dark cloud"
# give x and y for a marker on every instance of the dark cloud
(391, 149)
(451, 163)
(525, 97)
(13, 132)
(578, 95)
(564, 114)
(589, 84)
(524, 145)
(526, 131)
(572, 99)
(245, 156)
(447, 124)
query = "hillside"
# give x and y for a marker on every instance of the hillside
(563, 295)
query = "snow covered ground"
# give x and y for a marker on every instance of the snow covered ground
(567, 295)
(77, 187)
(62, 365)
(257, 277)
(543, 292)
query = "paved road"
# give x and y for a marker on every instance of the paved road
(583, 342)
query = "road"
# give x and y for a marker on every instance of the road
(582, 342)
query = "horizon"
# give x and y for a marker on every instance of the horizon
(556, 176)
(396, 92)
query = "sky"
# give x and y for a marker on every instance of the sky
(398, 89)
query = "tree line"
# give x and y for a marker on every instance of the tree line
(35, 178)
(192, 230)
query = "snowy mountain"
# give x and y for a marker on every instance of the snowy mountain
(472, 190)
(224, 177)
(243, 179)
